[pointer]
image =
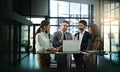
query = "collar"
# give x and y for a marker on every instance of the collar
(62, 31)
(83, 32)
(43, 33)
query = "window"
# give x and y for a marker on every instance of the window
(70, 11)
(53, 8)
(63, 9)
(74, 9)
(111, 29)
(84, 10)
(36, 20)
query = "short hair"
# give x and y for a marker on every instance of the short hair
(83, 22)
(65, 22)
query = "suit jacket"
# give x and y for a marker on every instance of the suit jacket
(57, 36)
(85, 40)
(57, 42)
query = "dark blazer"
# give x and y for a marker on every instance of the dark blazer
(79, 61)
(85, 40)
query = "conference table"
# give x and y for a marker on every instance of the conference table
(69, 53)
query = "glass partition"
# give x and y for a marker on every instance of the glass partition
(24, 41)
(24, 38)
(111, 31)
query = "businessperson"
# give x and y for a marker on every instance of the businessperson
(84, 37)
(58, 37)
(43, 44)
(94, 42)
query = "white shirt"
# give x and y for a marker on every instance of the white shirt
(81, 34)
(42, 42)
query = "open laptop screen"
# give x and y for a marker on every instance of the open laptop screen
(71, 45)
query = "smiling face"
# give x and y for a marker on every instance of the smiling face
(64, 26)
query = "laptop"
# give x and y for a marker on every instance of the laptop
(71, 45)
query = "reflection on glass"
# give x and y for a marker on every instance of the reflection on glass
(63, 9)
(53, 8)
(117, 12)
(102, 30)
(84, 10)
(111, 29)
(116, 22)
(112, 6)
(107, 17)
(106, 7)
(112, 13)
(74, 9)
(114, 38)
(117, 4)
(114, 57)
(31, 36)
(24, 38)
(106, 40)
(114, 35)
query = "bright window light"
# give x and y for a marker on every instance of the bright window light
(36, 20)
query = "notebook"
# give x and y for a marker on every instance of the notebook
(71, 45)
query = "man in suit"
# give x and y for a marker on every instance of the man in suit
(84, 37)
(58, 37)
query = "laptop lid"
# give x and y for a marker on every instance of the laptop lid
(71, 45)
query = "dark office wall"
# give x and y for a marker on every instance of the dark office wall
(4, 44)
(39, 7)
(31, 7)
(4, 37)
(9, 42)
(22, 7)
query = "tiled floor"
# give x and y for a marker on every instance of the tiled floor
(29, 64)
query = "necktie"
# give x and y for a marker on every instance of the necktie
(64, 37)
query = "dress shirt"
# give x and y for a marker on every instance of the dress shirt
(81, 34)
(42, 42)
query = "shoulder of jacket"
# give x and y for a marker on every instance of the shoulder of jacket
(87, 32)
(57, 32)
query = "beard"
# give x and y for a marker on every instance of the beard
(81, 28)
